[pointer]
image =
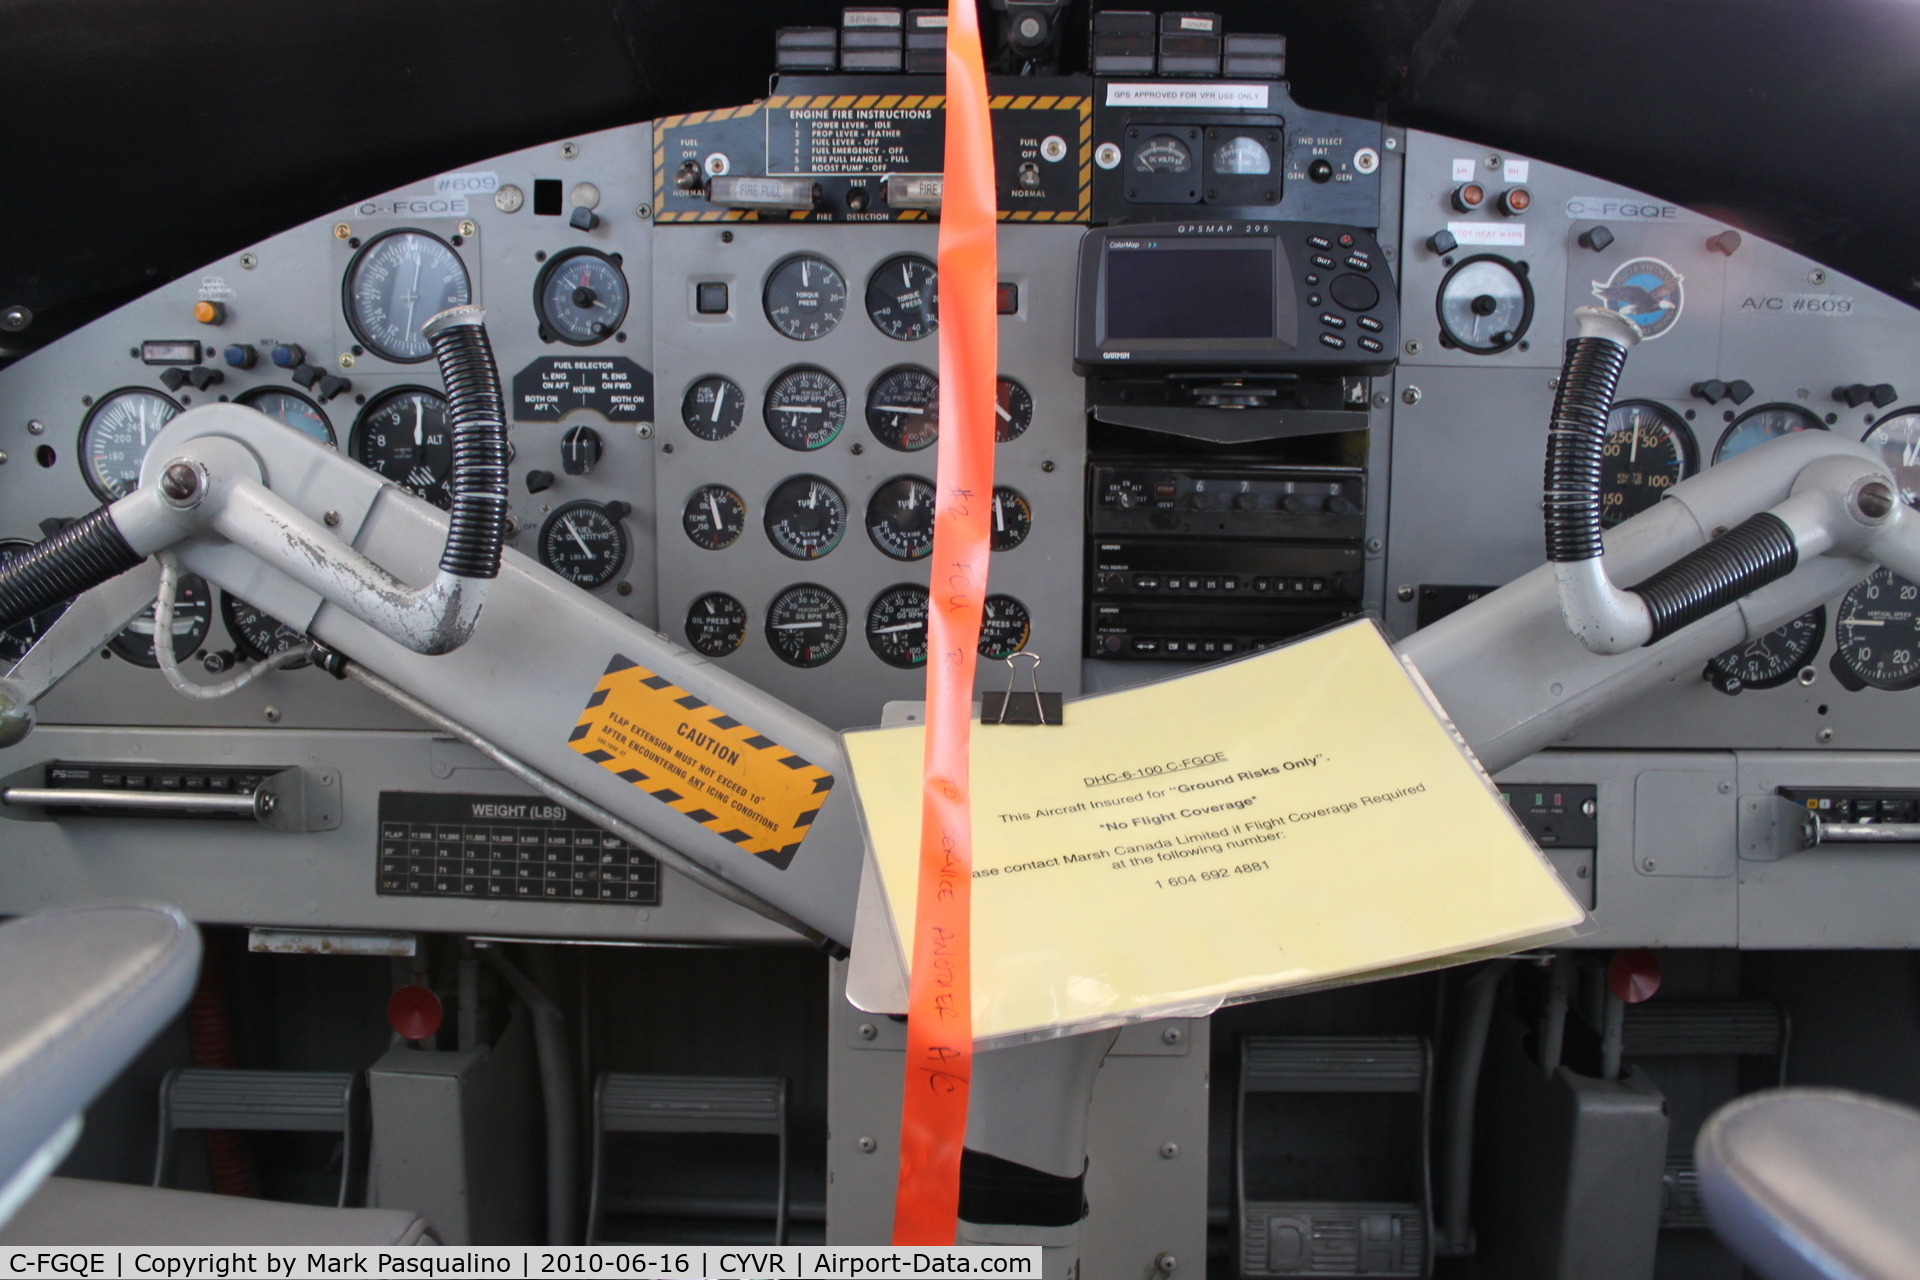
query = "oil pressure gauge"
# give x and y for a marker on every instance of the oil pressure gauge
(897, 626)
(1877, 635)
(1005, 627)
(900, 518)
(903, 409)
(1648, 450)
(716, 624)
(1773, 659)
(805, 298)
(806, 518)
(806, 408)
(806, 625)
(1012, 519)
(581, 296)
(714, 517)
(584, 543)
(1485, 304)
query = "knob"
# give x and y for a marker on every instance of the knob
(1442, 243)
(306, 375)
(242, 355)
(1124, 499)
(617, 510)
(1293, 504)
(210, 312)
(1337, 505)
(1727, 242)
(1739, 391)
(1713, 391)
(1853, 396)
(583, 218)
(202, 377)
(1246, 502)
(580, 450)
(583, 297)
(216, 662)
(173, 379)
(1596, 238)
(539, 481)
(332, 385)
(1468, 196)
(1882, 394)
(1321, 170)
(289, 355)
(1485, 305)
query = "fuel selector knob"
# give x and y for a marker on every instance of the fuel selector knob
(580, 450)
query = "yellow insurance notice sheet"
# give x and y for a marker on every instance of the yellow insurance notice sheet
(1292, 818)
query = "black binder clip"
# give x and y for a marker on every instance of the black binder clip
(1032, 707)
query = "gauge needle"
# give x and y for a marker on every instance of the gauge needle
(1912, 452)
(719, 398)
(413, 293)
(1866, 622)
(574, 533)
(999, 515)
(1002, 411)
(419, 423)
(801, 408)
(806, 274)
(713, 505)
(905, 626)
(797, 626)
(1633, 454)
(907, 409)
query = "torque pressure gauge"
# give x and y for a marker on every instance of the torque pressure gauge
(258, 636)
(1485, 304)
(404, 436)
(397, 282)
(291, 409)
(716, 624)
(900, 518)
(1012, 519)
(18, 638)
(714, 517)
(806, 408)
(1773, 659)
(1757, 426)
(583, 544)
(897, 626)
(1648, 450)
(806, 518)
(903, 409)
(806, 625)
(115, 436)
(805, 297)
(1877, 635)
(713, 407)
(1005, 627)
(903, 300)
(1012, 411)
(192, 618)
(581, 296)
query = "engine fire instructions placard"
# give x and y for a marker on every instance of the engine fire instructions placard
(1293, 818)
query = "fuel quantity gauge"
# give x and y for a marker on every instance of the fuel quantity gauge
(584, 543)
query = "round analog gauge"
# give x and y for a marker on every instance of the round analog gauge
(18, 638)
(397, 282)
(1485, 304)
(716, 624)
(806, 517)
(1877, 635)
(291, 409)
(714, 517)
(1897, 437)
(583, 544)
(1012, 518)
(1012, 411)
(192, 618)
(903, 408)
(713, 407)
(115, 436)
(581, 296)
(1768, 422)
(404, 436)
(1648, 450)
(256, 635)
(806, 408)
(1162, 153)
(897, 626)
(806, 625)
(806, 297)
(1773, 659)
(900, 518)
(1005, 626)
(902, 300)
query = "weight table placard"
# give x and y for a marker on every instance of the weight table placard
(441, 845)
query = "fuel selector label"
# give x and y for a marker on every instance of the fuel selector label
(701, 762)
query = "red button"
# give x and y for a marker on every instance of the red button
(1634, 975)
(415, 1013)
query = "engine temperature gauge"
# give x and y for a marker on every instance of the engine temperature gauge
(1648, 450)
(806, 625)
(581, 295)
(1005, 627)
(903, 409)
(900, 518)
(716, 624)
(897, 626)
(1485, 304)
(806, 518)
(1773, 659)
(1012, 519)
(714, 517)
(584, 544)
(1877, 635)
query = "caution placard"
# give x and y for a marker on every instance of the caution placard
(699, 761)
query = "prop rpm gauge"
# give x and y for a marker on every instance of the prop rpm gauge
(583, 544)
(1648, 450)
(192, 619)
(404, 436)
(806, 625)
(1757, 426)
(714, 517)
(903, 409)
(18, 638)
(581, 296)
(1773, 659)
(115, 436)
(713, 407)
(1877, 635)
(291, 409)
(258, 636)
(805, 297)
(897, 626)
(806, 518)
(1012, 411)
(806, 408)
(716, 624)
(902, 299)
(397, 282)
(1005, 627)
(900, 518)
(1485, 304)
(1897, 438)
(1012, 519)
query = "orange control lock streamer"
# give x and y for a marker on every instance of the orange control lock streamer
(939, 1067)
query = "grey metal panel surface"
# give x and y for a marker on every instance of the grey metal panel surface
(1045, 464)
